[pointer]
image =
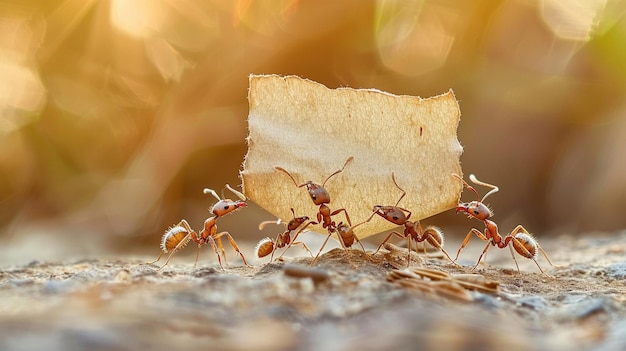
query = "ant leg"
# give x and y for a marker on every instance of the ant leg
(292, 241)
(433, 240)
(520, 246)
(387, 239)
(275, 248)
(482, 254)
(517, 244)
(345, 212)
(408, 238)
(321, 248)
(178, 234)
(408, 245)
(360, 243)
(547, 258)
(526, 246)
(218, 236)
(157, 260)
(434, 237)
(521, 229)
(467, 239)
(180, 245)
(195, 264)
(214, 246)
(167, 261)
(306, 248)
(218, 240)
(303, 245)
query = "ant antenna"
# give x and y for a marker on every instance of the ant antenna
(494, 189)
(467, 185)
(290, 176)
(339, 171)
(264, 223)
(393, 177)
(212, 192)
(241, 196)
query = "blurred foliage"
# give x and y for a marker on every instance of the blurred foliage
(114, 115)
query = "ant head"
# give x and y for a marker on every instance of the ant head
(296, 222)
(224, 207)
(475, 209)
(391, 213)
(318, 193)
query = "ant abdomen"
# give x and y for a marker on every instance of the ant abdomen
(525, 245)
(346, 234)
(434, 236)
(175, 237)
(264, 247)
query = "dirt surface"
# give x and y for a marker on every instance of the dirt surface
(344, 302)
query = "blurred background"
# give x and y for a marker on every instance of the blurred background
(115, 114)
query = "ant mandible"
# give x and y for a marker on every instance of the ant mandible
(178, 236)
(268, 246)
(519, 239)
(321, 198)
(412, 230)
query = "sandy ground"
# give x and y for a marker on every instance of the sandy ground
(347, 301)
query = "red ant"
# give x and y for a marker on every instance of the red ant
(321, 198)
(521, 240)
(268, 246)
(178, 236)
(412, 230)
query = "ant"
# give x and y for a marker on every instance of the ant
(178, 236)
(268, 246)
(519, 239)
(321, 198)
(412, 230)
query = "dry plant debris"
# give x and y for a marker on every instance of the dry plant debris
(344, 302)
(310, 131)
(441, 284)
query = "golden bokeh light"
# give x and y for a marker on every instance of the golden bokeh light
(411, 36)
(572, 19)
(139, 18)
(22, 93)
(115, 114)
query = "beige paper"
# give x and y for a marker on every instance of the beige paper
(310, 131)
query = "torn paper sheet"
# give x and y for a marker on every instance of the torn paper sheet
(310, 131)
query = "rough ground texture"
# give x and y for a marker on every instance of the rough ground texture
(344, 303)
